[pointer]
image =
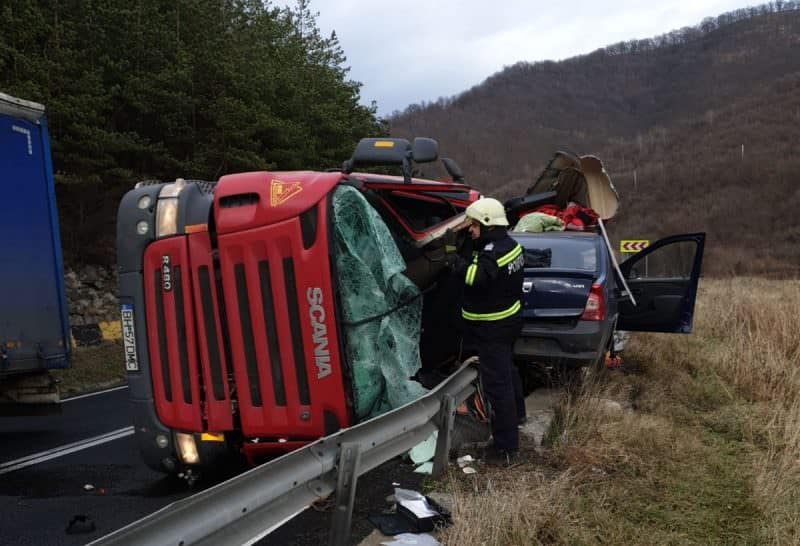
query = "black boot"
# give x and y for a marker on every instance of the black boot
(495, 457)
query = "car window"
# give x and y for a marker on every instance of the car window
(562, 253)
(673, 261)
(420, 214)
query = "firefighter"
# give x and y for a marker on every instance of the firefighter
(492, 318)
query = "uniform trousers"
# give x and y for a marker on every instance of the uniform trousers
(502, 388)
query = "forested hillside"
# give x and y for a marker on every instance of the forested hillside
(699, 129)
(139, 89)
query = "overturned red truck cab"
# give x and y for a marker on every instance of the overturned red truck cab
(234, 322)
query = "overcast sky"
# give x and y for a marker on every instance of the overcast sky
(419, 50)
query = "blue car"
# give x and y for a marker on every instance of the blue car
(573, 300)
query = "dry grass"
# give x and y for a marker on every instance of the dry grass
(508, 503)
(93, 368)
(758, 352)
(701, 447)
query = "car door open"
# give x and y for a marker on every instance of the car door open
(663, 279)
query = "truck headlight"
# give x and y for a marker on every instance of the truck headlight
(167, 217)
(187, 448)
(167, 209)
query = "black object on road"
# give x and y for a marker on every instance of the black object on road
(80, 524)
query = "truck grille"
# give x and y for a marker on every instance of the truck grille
(235, 333)
(173, 357)
(264, 295)
(268, 305)
(189, 371)
(266, 275)
(216, 366)
(294, 322)
(246, 327)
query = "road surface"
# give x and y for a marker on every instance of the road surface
(46, 462)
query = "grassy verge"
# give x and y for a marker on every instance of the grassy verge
(93, 368)
(701, 447)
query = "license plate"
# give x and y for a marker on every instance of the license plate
(129, 337)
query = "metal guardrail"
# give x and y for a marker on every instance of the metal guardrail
(246, 508)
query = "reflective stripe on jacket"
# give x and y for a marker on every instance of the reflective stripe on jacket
(493, 279)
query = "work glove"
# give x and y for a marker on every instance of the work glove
(451, 241)
(452, 260)
(456, 248)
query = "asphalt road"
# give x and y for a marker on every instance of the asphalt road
(37, 502)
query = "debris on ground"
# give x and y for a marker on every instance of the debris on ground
(465, 460)
(423, 451)
(404, 539)
(80, 524)
(412, 513)
(424, 468)
(613, 362)
(621, 339)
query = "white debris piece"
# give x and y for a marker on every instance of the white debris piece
(621, 338)
(423, 451)
(401, 494)
(465, 460)
(424, 468)
(411, 539)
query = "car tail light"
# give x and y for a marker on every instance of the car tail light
(596, 304)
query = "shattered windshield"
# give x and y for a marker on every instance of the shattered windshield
(382, 308)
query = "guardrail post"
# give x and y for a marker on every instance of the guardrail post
(444, 422)
(349, 458)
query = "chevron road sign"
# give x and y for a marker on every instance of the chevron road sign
(633, 246)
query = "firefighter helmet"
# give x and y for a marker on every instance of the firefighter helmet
(487, 211)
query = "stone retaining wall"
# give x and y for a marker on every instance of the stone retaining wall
(91, 295)
(93, 305)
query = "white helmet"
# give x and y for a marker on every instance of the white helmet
(487, 211)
